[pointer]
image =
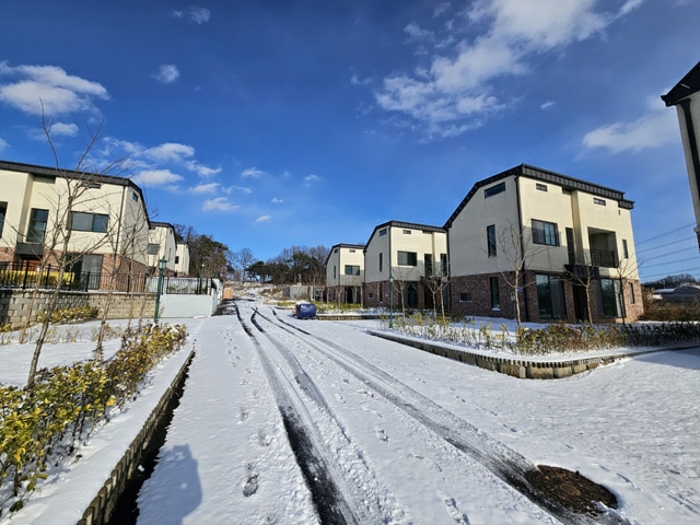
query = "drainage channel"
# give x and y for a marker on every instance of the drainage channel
(126, 511)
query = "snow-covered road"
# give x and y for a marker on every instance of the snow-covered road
(328, 424)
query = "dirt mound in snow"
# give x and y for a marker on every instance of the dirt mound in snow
(571, 490)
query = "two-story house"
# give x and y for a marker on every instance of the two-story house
(345, 270)
(553, 243)
(685, 96)
(401, 256)
(103, 217)
(162, 244)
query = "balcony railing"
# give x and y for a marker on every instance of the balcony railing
(603, 258)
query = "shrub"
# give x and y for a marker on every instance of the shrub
(71, 315)
(66, 405)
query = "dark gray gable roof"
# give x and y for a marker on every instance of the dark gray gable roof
(164, 225)
(688, 85)
(342, 245)
(45, 171)
(533, 172)
(406, 225)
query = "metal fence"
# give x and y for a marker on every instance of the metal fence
(26, 275)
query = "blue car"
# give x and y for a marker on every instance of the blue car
(305, 311)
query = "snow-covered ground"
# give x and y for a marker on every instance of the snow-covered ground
(391, 434)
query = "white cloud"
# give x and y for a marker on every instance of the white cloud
(548, 104)
(311, 178)
(218, 204)
(261, 219)
(275, 200)
(3, 145)
(453, 94)
(169, 152)
(56, 129)
(253, 173)
(201, 189)
(650, 131)
(245, 190)
(156, 177)
(415, 33)
(167, 73)
(50, 86)
(201, 170)
(198, 15)
(441, 8)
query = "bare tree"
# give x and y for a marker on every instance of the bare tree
(72, 188)
(436, 284)
(243, 260)
(517, 249)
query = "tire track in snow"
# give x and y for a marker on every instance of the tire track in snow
(499, 459)
(330, 503)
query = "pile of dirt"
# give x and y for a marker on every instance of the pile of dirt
(570, 489)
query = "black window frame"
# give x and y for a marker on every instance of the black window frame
(495, 290)
(625, 249)
(3, 215)
(98, 222)
(352, 271)
(34, 221)
(410, 258)
(547, 234)
(465, 297)
(492, 245)
(149, 249)
(494, 190)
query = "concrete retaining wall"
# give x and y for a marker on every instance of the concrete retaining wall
(520, 368)
(103, 506)
(14, 304)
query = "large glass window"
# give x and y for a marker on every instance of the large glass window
(550, 297)
(350, 270)
(610, 294)
(494, 190)
(88, 222)
(153, 249)
(545, 233)
(428, 263)
(381, 262)
(408, 258)
(491, 240)
(570, 245)
(37, 225)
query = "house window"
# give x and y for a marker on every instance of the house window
(177, 259)
(465, 297)
(633, 299)
(541, 187)
(37, 225)
(609, 295)
(491, 240)
(570, 245)
(599, 202)
(334, 272)
(381, 262)
(408, 259)
(88, 222)
(92, 185)
(407, 232)
(134, 197)
(153, 249)
(370, 295)
(545, 233)
(351, 251)
(352, 270)
(625, 251)
(3, 213)
(495, 294)
(494, 190)
(381, 292)
(443, 264)
(428, 264)
(335, 251)
(382, 232)
(550, 297)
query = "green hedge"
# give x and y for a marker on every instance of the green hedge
(44, 425)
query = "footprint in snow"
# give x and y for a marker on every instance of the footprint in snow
(263, 439)
(251, 484)
(242, 415)
(382, 435)
(452, 510)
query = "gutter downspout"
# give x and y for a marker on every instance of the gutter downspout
(694, 156)
(119, 227)
(522, 249)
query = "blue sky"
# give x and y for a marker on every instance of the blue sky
(278, 123)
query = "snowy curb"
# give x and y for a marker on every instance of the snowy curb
(103, 505)
(519, 368)
(347, 317)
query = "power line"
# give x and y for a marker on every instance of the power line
(666, 274)
(667, 244)
(669, 263)
(668, 254)
(665, 234)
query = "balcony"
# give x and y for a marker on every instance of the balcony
(29, 250)
(603, 258)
